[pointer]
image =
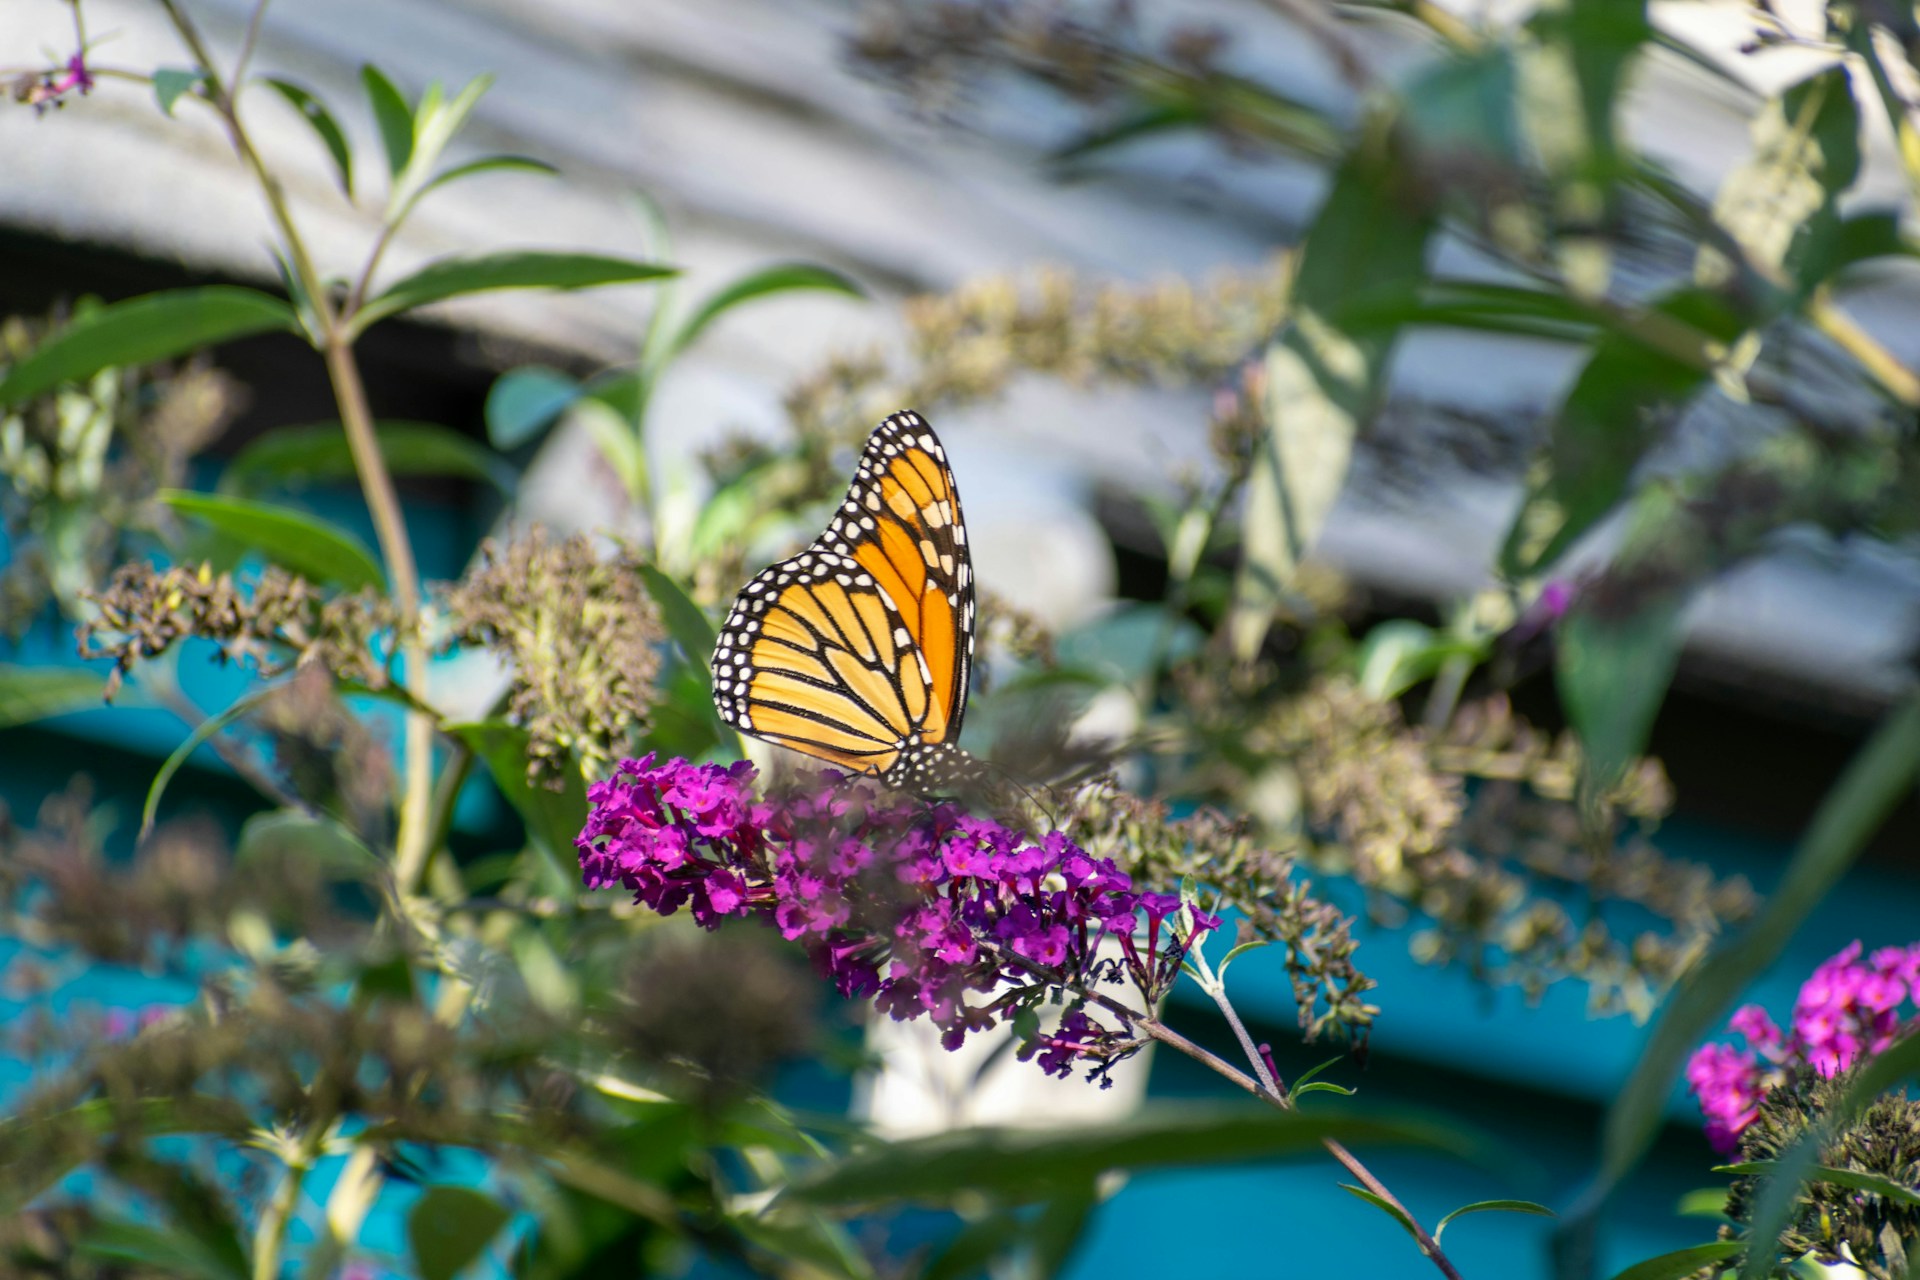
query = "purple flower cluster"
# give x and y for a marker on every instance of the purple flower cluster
(1846, 1009)
(913, 906)
(51, 88)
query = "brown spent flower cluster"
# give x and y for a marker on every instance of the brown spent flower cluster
(583, 637)
(277, 622)
(1879, 1236)
(1229, 863)
(1390, 805)
(79, 466)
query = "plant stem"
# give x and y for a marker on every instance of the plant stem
(390, 527)
(271, 1235)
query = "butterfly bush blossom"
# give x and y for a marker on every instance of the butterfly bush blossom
(1847, 1009)
(916, 907)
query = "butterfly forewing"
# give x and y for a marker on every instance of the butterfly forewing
(858, 650)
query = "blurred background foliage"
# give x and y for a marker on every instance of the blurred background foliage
(362, 982)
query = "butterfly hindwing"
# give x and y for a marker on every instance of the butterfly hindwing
(858, 650)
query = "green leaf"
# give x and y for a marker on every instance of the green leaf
(1606, 423)
(686, 623)
(314, 838)
(553, 818)
(1308, 1076)
(1399, 653)
(1613, 673)
(294, 540)
(488, 164)
(1324, 372)
(1806, 151)
(28, 693)
(458, 277)
(324, 126)
(1386, 1206)
(1150, 120)
(524, 402)
(154, 326)
(450, 1227)
(1853, 1178)
(1061, 1226)
(1320, 1086)
(393, 117)
(201, 734)
(168, 1250)
(1682, 1262)
(808, 1238)
(319, 452)
(786, 277)
(973, 1248)
(171, 82)
(1030, 1164)
(1704, 1202)
(1486, 1206)
(1875, 780)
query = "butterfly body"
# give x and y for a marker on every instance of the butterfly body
(857, 651)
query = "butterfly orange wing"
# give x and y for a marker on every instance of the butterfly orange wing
(858, 650)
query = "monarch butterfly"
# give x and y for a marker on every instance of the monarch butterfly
(857, 650)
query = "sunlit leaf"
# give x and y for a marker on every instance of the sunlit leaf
(28, 693)
(459, 277)
(1705, 1202)
(392, 116)
(811, 1239)
(294, 540)
(488, 164)
(1806, 151)
(450, 1227)
(787, 277)
(1491, 1206)
(319, 453)
(1032, 1164)
(155, 326)
(324, 126)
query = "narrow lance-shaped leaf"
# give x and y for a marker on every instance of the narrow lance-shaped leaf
(294, 540)
(28, 693)
(193, 742)
(319, 452)
(1493, 1206)
(783, 278)
(155, 326)
(458, 277)
(392, 116)
(1682, 1263)
(324, 126)
(488, 164)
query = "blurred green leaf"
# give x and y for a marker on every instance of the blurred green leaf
(1834, 247)
(523, 402)
(294, 540)
(314, 838)
(1399, 653)
(1704, 1202)
(1385, 1206)
(806, 1238)
(488, 164)
(1489, 1206)
(459, 277)
(169, 83)
(36, 693)
(1806, 151)
(1367, 247)
(785, 277)
(619, 443)
(972, 1249)
(1597, 41)
(1024, 1163)
(1605, 424)
(202, 733)
(553, 818)
(1875, 780)
(436, 121)
(154, 326)
(392, 116)
(324, 126)
(686, 622)
(1062, 1224)
(1144, 122)
(167, 1249)
(289, 456)
(1612, 674)
(1460, 113)
(450, 1227)
(1683, 1262)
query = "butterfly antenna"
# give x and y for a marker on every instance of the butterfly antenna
(1053, 819)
